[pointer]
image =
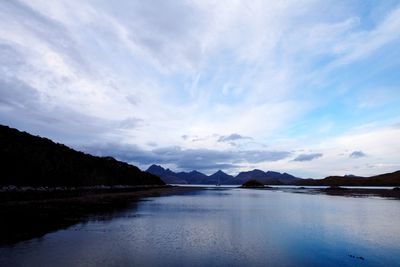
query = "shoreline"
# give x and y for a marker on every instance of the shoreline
(28, 215)
(361, 192)
(341, 191)
(388, 193)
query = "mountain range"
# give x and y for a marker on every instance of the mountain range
(271, 178)
(220, 177)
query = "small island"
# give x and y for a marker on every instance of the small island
(254, 184)
(335, 187)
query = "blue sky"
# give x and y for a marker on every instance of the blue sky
(307, 87)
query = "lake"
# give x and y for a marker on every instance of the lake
(226, 227)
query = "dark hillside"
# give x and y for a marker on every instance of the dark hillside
(387, 179)
(27, 160)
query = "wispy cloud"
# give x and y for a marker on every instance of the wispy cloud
(233, 137)
(308, 157)
(281, 73)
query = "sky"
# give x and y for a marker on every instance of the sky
(307, 87)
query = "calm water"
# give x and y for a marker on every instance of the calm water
(227, 227)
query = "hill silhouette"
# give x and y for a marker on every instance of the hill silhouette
(387, 179)
(28, 160)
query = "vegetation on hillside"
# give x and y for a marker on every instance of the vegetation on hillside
(28, 160)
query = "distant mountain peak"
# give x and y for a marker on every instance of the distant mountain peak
(155, 167)
(219, 172)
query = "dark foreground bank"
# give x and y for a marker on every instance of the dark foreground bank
(33, 213)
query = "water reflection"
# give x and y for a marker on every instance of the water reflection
(228, 227)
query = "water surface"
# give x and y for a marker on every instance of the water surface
(227, 227)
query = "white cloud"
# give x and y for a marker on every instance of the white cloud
(360, 44)
(150, 72)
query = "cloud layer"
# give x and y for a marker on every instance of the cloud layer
(216, 84)
(357, 154)
(188, 159)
